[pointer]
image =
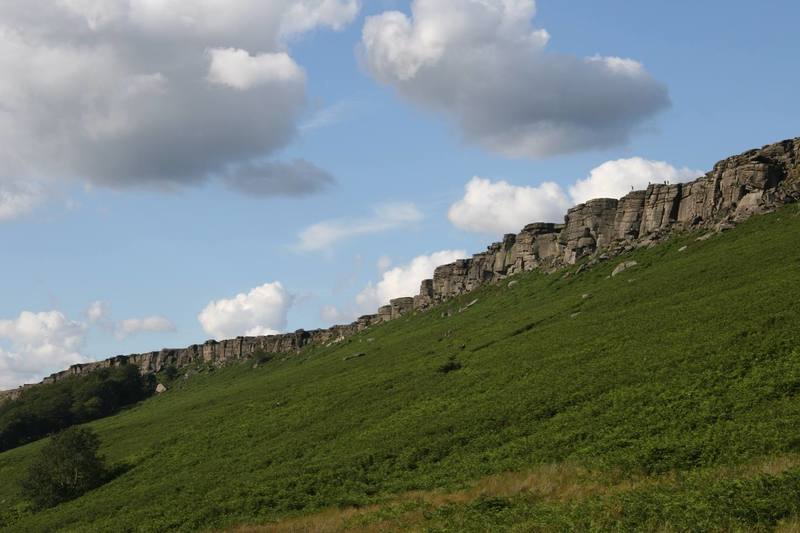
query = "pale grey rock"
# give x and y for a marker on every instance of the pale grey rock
(661, 204)
(588, 226)
(385, 313)
(400, 307)
(470, 304)
(161, 388)
(622, 267)
(628, 218)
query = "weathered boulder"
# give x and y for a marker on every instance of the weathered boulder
(161, 388)
(622, 267)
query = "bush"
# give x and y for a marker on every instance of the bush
(67, 467)
(170, 373)
(450, 366)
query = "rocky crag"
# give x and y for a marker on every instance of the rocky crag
(754, 182)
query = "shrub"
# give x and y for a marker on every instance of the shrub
(67, 467)
(450, 366)
(170, 373)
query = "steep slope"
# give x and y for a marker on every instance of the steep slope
(688, 363)
(754, 182)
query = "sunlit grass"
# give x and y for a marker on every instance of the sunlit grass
(565, 413)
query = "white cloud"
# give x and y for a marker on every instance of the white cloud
(262, 311)
(116, 92)
(37, 345)
(384, 262)
(237, 68)
(98, 312)
(19, 198)
(386, 217)
(484, 66)
(499, 207)
(303, 16)
(615, 179)
(281, 18)
(404, 280)
(132, 326)
(328, 116)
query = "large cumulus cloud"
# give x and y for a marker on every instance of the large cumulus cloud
(498, 207)
(162, 93)
(39, 343)
(483, 65)
(261, 311)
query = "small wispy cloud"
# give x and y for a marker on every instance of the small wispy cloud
(323, 235)
(149, 324)
(327, 116)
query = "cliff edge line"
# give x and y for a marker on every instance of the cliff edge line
(754, 182)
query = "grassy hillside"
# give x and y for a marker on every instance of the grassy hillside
(667, 396)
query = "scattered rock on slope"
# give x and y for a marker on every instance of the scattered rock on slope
(622, 267)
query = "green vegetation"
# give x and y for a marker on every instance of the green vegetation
(67, 467)
(656, 402)
(73, 400)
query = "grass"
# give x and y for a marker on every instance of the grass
(550, 497)
(643, 407)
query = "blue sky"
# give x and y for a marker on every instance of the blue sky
(158, 251)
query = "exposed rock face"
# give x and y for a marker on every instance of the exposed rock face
(628, 218)
(366, 321)
(588, 226)
(385, 313)
(738, 187)
(401, 306)
(754, 182)
(660, 210)
(424, 299)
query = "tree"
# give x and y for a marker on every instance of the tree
(67, 467)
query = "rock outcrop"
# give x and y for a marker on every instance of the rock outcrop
(754, 182)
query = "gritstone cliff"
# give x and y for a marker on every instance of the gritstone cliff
(754, 182)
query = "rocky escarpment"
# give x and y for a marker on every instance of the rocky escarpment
(754, 182)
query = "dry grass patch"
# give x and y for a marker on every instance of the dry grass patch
(549, 483)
